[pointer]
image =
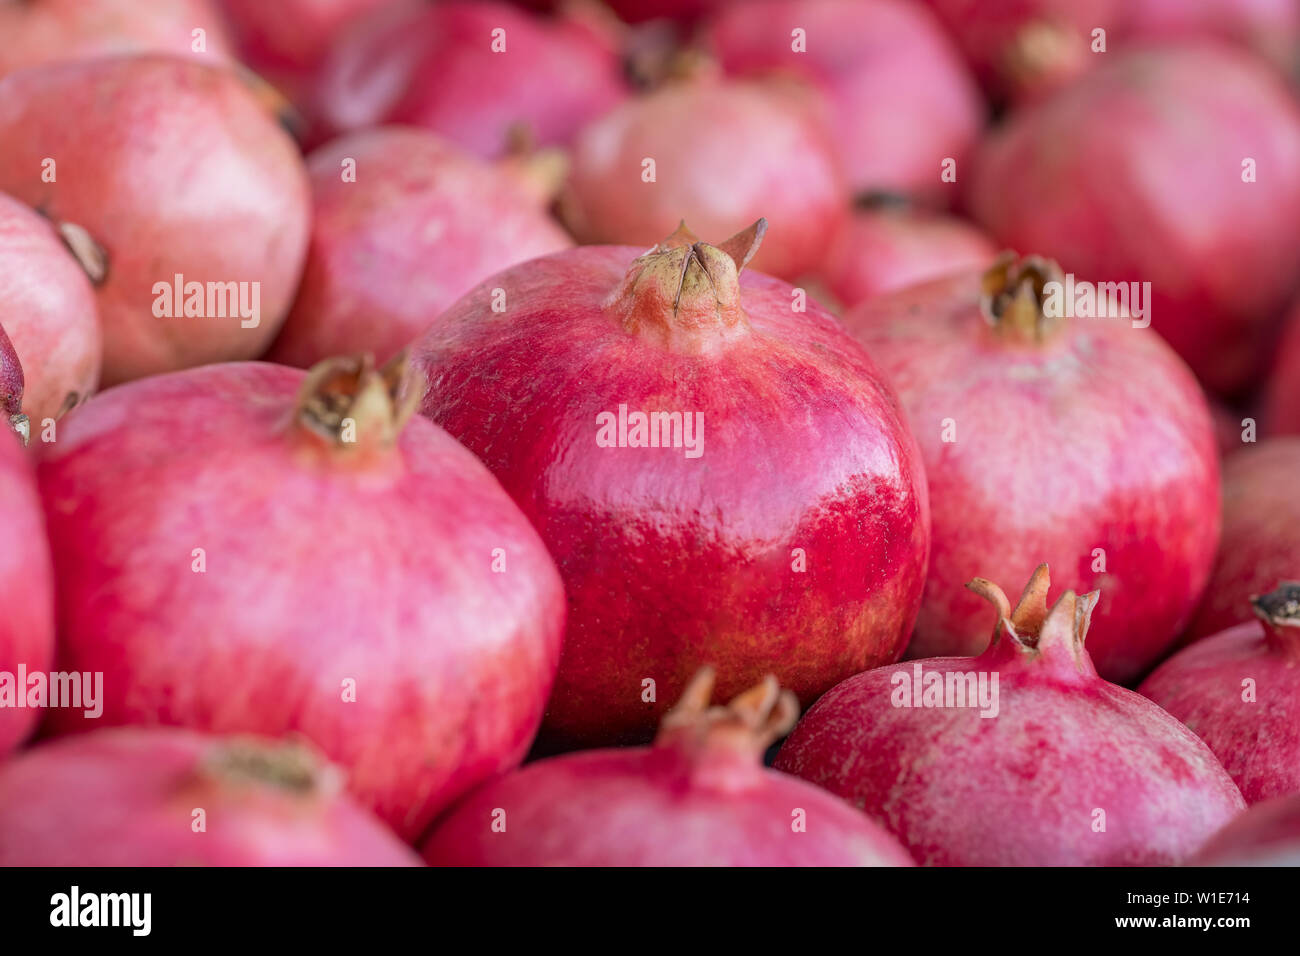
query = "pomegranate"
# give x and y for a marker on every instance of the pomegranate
(36, 32)
(883, 248)
(415, 225)
(11, 389)
(699, 797)
(474, 73)
(721, 477)
(1281, 400)
(1261, 533)
(26, 581)
(1240, 692)
(902, 100)
(1022, 756)
(1270, 28)
(167, 797)
(1268, 834)
(1080, 441)
(718, 153)
(1144, 172)
(313, 565)
(186, 204)
(49, 312)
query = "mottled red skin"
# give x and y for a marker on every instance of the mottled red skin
(902, 99)
(1258, 742)
(1018, 789)
(1260, 544)
(47, 306)
(725, 154)
(1270, 28)
(320, 569)
(422, 224)
(126, 797)
(670, 563)
(1099, 438)
(433, 66)
(1267, 834)
(11, 382)
(1134, 174)
(882, 250)
(36, 32)
(26, 583)
(172, 167)
(1280, 414)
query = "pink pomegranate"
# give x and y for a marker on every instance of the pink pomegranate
(718, 153)
(49, 312)
(26, 582)
(883, 248)
(1261, 533)
(475, 73)
(1281, 401)
(1080, 441)
(721, 477)
(1240, 692)
(165, 797)
(1268, 834)
(1145, 171)
(184, 201)
(902, 100)
(11, 390)
(403, 224)
(1022, 756)
(1270, 28)
(286, 553)
(700, 796)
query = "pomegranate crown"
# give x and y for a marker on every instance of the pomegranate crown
(348, 403)
(1279, 609)
(1012, 297)
(750, 723)
(293, 766)
(1031, 629)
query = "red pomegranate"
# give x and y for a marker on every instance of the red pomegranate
(1261, 533)
(718, 153)
(1144, 172)
(1240, 692)
(1281, 401)
(49, 312)
(26, 583)
(236, 559)
(699, 797)
(1270, 28)
(403, 224)
(11, 390)
(166, 797)
(1022, 756)
(902, 100)
(721, 477)
(1268, 834)
(185, 202)
(1080, 441)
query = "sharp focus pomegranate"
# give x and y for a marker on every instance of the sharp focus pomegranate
(235, 559)
(1022, 756)
(403, 225)
(163, 797)
(1268, 834)
(1080, 441)
(1145, 171)
(184, 201)
(699, 797)
(1240, 692)
(720, 477)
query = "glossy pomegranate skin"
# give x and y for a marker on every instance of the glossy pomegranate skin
(1023, 787)
(172, 167)
(1270, 28)
(382, 577)
(1076, 180)
(1280, 412)
(902, 101)
(1267, 834)
(49, 312)
(420, 226)
(669, 565)
(1096, 438)
(147, 785)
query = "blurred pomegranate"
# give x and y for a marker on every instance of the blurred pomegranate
(1281, 403)
(1270, 28)
(1268, 834)
(685, 11)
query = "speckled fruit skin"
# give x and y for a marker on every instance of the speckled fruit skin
(126, 797)
(1096, 438)
(422, 224)
(725, 153)
(1135, 174)
(172, 167)
(1260, 545)
(670, 562)
(902, 99)
(1021, 788)
(48, 309)
(320, 568)
(26, 584)
(1267, 834)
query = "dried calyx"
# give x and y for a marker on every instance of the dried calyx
(349, 403)
(746, 726)
(1013, 297)
(1033, 631)
(1279, 609)
(291, 767)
